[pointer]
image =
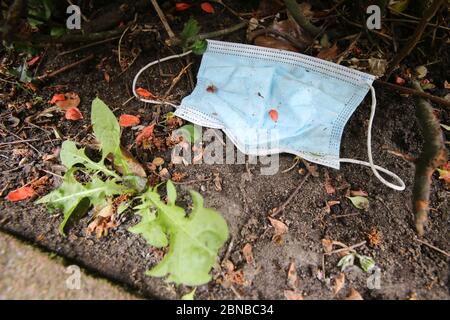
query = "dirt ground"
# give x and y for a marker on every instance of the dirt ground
(408, 268)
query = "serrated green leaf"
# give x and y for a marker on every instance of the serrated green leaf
(190, 30)
(194, 239)
(123, 206)
(171, 193)
(346, 261)
(360, 202)
(71, 155)
(189, 296)
(69, 195)
(57, 32)
(150, 231)
(366, 263)
(199, 47)
(106, 128)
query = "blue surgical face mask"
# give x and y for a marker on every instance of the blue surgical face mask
(271, 101)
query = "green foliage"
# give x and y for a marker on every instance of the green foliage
(360, 202)
(70, 196)
(367, 263)
(190, 133)
(189, 296)
(75, 198)
(189, 37)
(194, 239)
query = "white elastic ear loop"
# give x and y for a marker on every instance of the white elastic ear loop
(401, 185)
(148, 66)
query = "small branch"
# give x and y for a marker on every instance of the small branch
(351, 248)
(163, 19)
(214, 34)
(63, 69)
(433, 247)
(418, 93)
(294, 10)
(406, 50)
(293, 194)
(433, 155)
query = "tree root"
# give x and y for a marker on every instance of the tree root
(434, 154)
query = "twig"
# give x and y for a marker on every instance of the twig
(88, 46)
(52, 173)
(433, 247)
(294, 9)
(351, 248)
(293, 194)
(18, 142)
(345, 215)
(213, 34)
(177, 79)
(120, 45)
(163, 19)
(406, 50)
(433, 155)
(228, 252)
(418, 93)
(65, 68)
(23, 141)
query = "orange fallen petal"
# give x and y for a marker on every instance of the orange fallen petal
(57, 97)
(399, 80)
(128, 120)
(181, 6)
(273, 115)
(20, 194)
(144, 93)
(32, 61)
(145, 134)
(207, 7)
(73, 114)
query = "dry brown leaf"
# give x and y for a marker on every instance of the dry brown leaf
(358, 193)
(354, 295)
(133, 165)
(217, 182)
(328, 186)
(103, 221)
(247, 251)
(329, 53)
(330, 204)
(327, 245)
(280, 230)
(271, 42)
(72, 100)
(293, 295)
(292, 278)
(339, 283)
(377, 66)
(305, 8)
(312, 169)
